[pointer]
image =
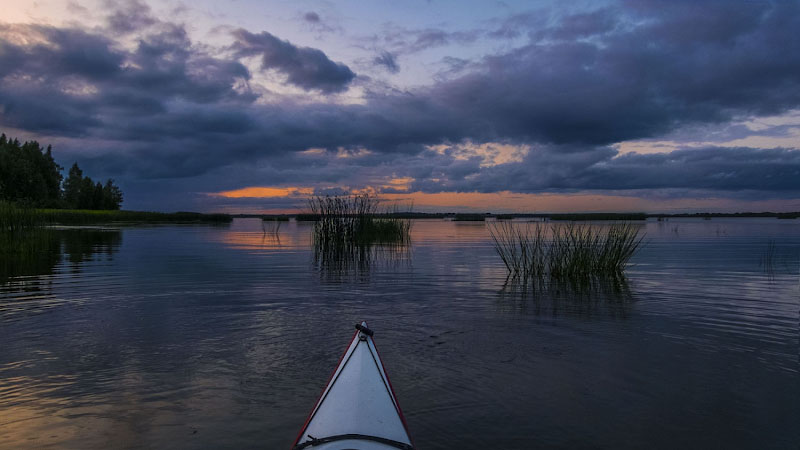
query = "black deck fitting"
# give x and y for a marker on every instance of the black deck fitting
(364, 330)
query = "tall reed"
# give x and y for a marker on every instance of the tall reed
(767, 260)
(568, 251)
(16, 218)
(353, 220)
(349, 233)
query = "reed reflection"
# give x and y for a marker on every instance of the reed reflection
(358, 262)
(609, 296)
(36, 252)
(350, 239)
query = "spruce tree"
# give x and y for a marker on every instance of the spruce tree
(72, 187)
(112, 195)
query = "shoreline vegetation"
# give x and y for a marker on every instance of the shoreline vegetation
(15, 218)
(311, 217)
(34, 194)
(30, 176)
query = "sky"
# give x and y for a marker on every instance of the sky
(484, 106)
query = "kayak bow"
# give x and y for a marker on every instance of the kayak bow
(358, 408)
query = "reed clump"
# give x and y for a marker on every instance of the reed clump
(15, 218)
(565, 251)
(345, 221)
(350, 234)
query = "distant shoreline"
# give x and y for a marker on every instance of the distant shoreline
(13, 217)
(554, 216)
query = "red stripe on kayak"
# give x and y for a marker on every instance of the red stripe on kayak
(396, 401)
(325, 388)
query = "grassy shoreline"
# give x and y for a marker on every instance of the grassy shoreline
(13, 217)
(80, 217)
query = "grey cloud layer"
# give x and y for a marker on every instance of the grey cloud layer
(584, 81)
(568, 170)
(77, 83)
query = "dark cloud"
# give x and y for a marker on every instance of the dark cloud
(168, 66)
(69, 81)
(388, 61)
(128, 16)
(557, 169)
(638, 80)
(305, 67)
(165, 108)
(56, 53)
(44, 109)
(312, 21)
(711, 168)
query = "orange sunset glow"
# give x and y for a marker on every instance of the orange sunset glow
(503, 201)
(264, 192)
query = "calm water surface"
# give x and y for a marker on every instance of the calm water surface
(222, 337)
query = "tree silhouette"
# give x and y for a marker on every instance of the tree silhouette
(72, 186)
(30, 176)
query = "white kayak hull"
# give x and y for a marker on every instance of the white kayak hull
(358, 408)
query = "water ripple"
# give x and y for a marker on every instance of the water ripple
(198, 337)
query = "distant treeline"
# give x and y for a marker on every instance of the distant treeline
(29, 176)
(784, 215)
(471, 217)
(564, 217)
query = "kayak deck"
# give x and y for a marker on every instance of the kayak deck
(358, 408)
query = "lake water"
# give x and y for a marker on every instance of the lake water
(222, 337)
